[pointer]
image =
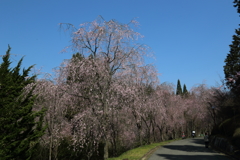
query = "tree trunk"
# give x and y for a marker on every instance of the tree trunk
(153, 130)
(50, 149)
(105, 112)
(106, 149)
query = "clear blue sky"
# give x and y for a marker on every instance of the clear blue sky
(190, 38)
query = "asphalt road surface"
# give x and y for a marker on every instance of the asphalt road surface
(187, 149)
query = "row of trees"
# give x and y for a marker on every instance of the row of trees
(100, 103)
(140, 112)
(228, 110)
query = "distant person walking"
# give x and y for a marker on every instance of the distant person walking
(206, 140)
(183, 135)
(193, 134)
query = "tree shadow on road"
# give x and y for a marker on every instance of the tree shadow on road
(192, 157)
(188, 148)
(198, 152)
(197, 141)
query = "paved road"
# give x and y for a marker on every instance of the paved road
(187, 149)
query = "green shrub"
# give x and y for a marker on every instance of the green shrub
(40, 152)
(226, 128)
(236, 137)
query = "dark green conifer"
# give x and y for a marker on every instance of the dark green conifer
(20, 126)
(237, 4)
(232, 61)
(179, 88)
(185, 91)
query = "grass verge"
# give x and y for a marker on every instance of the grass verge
(140, 152)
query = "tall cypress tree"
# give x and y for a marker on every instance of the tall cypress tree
(185, 91)
(20, 126)
(179, 88)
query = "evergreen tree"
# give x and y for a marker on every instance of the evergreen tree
(232, 61)
(20, 126)
(237, 4)
(179, 88)
(76, 58)
(185, 91)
